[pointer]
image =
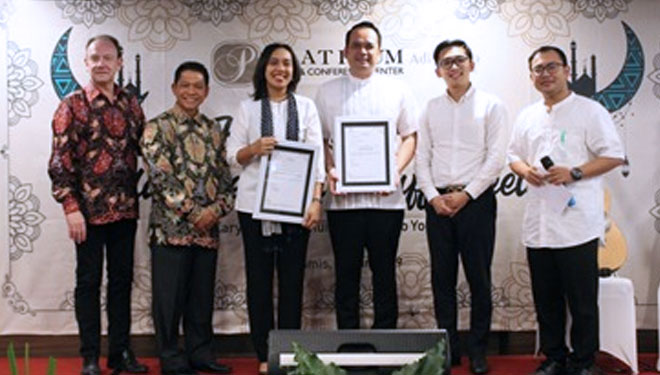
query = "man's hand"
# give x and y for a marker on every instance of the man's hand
(263, 146)
(558, 175)
(75, 221)
(533, 177)
(313, 215)
(440, 206)
(332, 181)
(456, 201)
(206, 220)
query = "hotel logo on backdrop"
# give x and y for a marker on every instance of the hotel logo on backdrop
(327, 62)
(234, 62)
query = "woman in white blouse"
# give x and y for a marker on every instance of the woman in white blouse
(274, 114)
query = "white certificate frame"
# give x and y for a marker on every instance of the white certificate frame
(269, 200)
(383, 142)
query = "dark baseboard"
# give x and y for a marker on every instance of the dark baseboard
(501, 343)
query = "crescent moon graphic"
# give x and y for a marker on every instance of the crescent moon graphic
(626, 84)
(63, 80)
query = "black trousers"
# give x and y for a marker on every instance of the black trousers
(183, 284)
(470, 234)
(350, 232)
(118, 240)
(560, 276)
(261, 260)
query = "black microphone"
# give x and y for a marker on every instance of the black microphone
(547, 164)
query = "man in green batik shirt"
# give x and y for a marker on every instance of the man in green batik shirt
(191, 189)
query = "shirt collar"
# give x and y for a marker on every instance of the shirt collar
(468, 94)
(182, 116)
(561, 104)
(92, 92)
(361, 81)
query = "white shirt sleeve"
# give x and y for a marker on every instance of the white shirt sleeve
(602, 137)
(423, 159)
(238, 138)
(314, 136)
(515, 150)
(497, 139)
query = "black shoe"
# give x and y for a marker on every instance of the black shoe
(479, 365)
(212, 366)
(128, 363)
(90, 366)
(455, 360)
(592, 370)
(550, 367)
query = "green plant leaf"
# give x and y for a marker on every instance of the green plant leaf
(11, 354)
(310, 364)
(26, 361)
(432, 363)
(51, 366)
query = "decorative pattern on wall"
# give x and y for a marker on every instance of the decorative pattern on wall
(6, 10)
(601, 9)
(24, 218)
(654, 76)
(626, 84)
(655, 211)
(88, 12)
(401, 22)
(60, 71)
(22, 83)
(345, 11)
(159, 25)
(216, 11)
(538, 22)
(280, 20)
(475, 10)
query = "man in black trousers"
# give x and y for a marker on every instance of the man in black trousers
(191, 190)
(93, 168)
(462, 145)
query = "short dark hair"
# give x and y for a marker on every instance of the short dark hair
(451, 43)
(363, 24)
(195, 67)
(259, 76)
(109, 38)
(542, 49)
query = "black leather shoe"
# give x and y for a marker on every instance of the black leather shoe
(127, 363)
(585, 371)
(212, 366)
(90, 366)
(479, 365)
(550, 367)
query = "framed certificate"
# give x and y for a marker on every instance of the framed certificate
(364, 155)
(286, 182)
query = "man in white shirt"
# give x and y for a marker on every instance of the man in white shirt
(371, 220)
(580, 138)
(461, 152)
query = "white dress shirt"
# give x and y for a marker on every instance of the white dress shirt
(461, 143)
(247, 129)
(376, 96)
(575, 131)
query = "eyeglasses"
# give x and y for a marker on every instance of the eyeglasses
(448, 62)
(550, 67)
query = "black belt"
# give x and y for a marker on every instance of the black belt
(450, 189)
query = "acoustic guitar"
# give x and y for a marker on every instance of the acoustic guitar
(611, 255)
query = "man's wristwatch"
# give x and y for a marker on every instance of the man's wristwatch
(576, 174)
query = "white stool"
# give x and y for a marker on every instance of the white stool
(618, 327)
(617, 322)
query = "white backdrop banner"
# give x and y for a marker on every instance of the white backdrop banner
(614, 48)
